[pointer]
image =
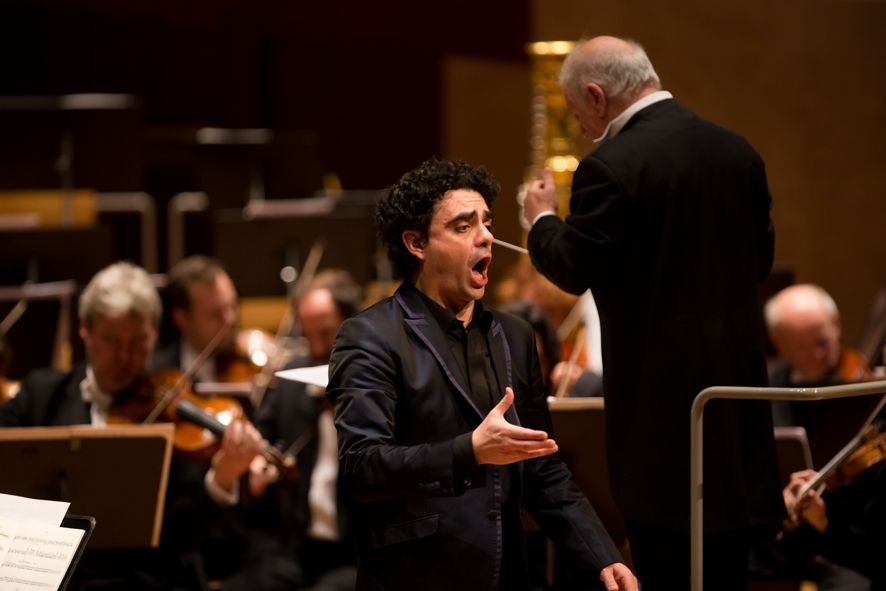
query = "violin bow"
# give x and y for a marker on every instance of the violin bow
(12, 317)
(865, 434)
(263, 379)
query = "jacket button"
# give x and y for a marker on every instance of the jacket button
(492, 515)
(467, 481)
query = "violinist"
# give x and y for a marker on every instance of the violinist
(202, 302)
(119, 313)
(804, 325)
(313, 511)
(845, 525)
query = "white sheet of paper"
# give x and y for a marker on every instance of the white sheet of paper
(317, 375)
(36, 557)
(34, 510)
(7, 532)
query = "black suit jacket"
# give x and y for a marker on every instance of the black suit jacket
(48, 398)
(670, 229)
(401, 405)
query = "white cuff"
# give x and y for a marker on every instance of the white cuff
(217, 493)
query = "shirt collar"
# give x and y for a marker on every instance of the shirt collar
(621, 120)
(445, 317)
(91, 392)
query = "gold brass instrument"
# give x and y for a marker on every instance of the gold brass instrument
(555, 141)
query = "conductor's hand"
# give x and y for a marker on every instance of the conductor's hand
(498, 442)
(618, 577)
(541, 196)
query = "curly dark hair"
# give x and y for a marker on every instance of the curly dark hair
(411, 202)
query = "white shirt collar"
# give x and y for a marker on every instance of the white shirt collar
(100, 400)
(619, 122)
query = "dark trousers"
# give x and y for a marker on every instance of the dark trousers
(662, 559)
(328, 566)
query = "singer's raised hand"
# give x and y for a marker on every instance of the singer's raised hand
(496, 441)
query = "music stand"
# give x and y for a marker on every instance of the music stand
(580, 432)
(87, 524)
(117, 474)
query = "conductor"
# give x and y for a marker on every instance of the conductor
(670, 229)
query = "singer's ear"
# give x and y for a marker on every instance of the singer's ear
(415, 243)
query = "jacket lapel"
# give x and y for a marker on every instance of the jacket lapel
(502, 364)
(419, 320)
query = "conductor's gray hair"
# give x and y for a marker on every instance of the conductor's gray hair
(620, 74)
(118, 290)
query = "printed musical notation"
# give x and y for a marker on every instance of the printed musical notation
(34, 555)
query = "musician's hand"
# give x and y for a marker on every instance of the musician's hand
(618, 577)
(240, 444)
(498, 442)
(565, 371)
(541, 196)
(811, 507)
(261, 475)
(798, 479)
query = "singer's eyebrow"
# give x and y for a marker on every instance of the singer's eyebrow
(469, 216)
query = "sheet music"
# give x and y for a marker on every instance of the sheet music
(35, 557)
(34, 550)
(36, 510)
(317, 375)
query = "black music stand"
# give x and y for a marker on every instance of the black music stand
(116, 474)
(87, 524)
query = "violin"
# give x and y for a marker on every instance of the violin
(870, 452)
(864, 451)
(200, 422)
(253, 348)
(853, 367)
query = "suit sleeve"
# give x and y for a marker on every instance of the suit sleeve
(14, 412)
(763, 220)
(552, 497)
(29, 406)
(569, 253)
(362, 386)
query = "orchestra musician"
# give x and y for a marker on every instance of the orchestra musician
(119, 313)
(804, 325)
(569, 372)
(316, 515)
(443, 425)
(856, 536)
(669, 227)
(202, 302)
(836, 537)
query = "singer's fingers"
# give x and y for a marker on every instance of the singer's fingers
(523, 434)
(506, 401)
